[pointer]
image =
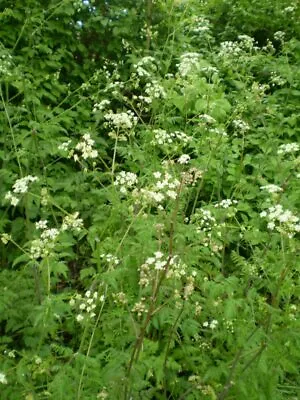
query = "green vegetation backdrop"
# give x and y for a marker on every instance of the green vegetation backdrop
(150, 195)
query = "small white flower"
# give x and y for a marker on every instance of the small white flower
(79, 318)
(184, 159)
(240, 125)
(11, 354)
(124, 120)
(289, 9)
(172, 194)
(271, 188)
(21, 185)
(72, 222)
(11, 198)
(208, 119)
(85, 147)
(150, 260)
(42, 224)
(5, 238)
(158, 254)
(159, 265)
(3, 379)
(189, 64)
(288, 148)
(214, 323)
(72, 302)
(64, 146)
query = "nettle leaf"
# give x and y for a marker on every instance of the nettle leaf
(23, 258)
(87, 273)
(59, 268)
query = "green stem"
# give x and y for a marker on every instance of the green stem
(90, 347)
(11, 131)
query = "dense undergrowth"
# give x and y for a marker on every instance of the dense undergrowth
(149, 199)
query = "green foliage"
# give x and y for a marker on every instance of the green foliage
(150, 200)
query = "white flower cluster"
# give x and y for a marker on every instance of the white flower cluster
(14, 200)
(201, 26)
(114, 87)
(140, 307)
(154, 90)
(269, 48)
(65, 145)
(288, 148)
(120, 298)
(110, 259)
(289, 9)
(6, 65)
(123, 120)
(157, 262)
(19, 187)
(226, 203)
(271, 188)
(44, 196)
(279, 35)
(259, 89)
(5, 238)
(209, 70)
(177, 269)
(228, 325)
(145, 65)
(125, 180)
(164, 138)
(3, 379)
(207, 119)
(212, 325)
(173, 269)
(42, 224)
(72, 222)
(191, 176)
(165, 187)
(247, 42)
(86, 305)
(42, 247)
(101, 106)
(230, 49)
(284, 221)
(293, 312)
(205, 220)
(206, 224)
(275, 79)
(189, 287)
(142, 101)
(240, 125)
(85, 148)
(184, 159)
(189, 63)
(219, 132)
